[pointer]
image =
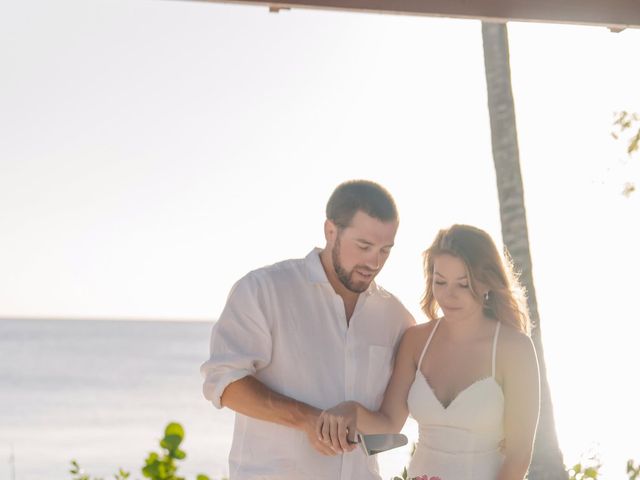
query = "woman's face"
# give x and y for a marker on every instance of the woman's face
(451, 288)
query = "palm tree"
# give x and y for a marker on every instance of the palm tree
(547, 463)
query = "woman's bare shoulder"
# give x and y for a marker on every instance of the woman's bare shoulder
(416, 335)
(516, 345)
(511, 337)
(420, 330)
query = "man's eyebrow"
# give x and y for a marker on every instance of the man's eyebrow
(367, 242)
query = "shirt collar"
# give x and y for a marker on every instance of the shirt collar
(316, 273)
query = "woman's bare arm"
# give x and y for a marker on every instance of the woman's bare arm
(336, 424)
(521, 387)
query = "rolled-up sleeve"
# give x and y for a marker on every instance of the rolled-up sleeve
(240, 339)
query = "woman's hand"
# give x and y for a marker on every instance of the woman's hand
(336, 427)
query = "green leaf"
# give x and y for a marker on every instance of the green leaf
(151, 458)
(121, 475)
(174, 429)
(150, 471)
(202, 477)
(591, 472)
(634, 144)
(171, 442)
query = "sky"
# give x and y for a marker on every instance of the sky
(153, 152)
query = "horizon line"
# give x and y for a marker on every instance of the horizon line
(76, 318)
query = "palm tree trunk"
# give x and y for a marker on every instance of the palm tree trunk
(547, 463)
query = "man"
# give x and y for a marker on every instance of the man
(304, 335)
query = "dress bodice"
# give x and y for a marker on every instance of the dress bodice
(462, 439)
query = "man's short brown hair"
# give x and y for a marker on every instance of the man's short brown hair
(364, 195)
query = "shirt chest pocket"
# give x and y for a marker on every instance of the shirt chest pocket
(379, 371)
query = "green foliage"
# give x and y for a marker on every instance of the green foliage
(588, 469)
(627, 121)
(628, 125)
(157, 466)
(163, 466)
(583, 472)
(78, 473)
(404, 475)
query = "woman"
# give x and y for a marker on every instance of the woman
(469, 377)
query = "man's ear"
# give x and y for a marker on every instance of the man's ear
(330, 231)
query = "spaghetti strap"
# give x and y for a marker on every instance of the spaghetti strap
(424, 350)
(465, 433)
(495, 345)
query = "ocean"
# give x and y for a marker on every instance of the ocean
(101, 392)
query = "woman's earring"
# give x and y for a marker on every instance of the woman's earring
(486, 297)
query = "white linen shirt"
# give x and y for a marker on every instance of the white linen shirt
(285, 325)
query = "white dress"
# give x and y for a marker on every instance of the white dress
(460, 441)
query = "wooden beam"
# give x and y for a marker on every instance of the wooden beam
(615, 14)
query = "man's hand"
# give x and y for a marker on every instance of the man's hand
(336, 427)
(316, 442)
(251, 397)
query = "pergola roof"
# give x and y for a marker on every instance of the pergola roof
(615, 14)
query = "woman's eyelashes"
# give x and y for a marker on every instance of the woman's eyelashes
(461, 285)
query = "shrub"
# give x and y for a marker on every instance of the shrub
(157, 466)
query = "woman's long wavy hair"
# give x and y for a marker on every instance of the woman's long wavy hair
(506, 300)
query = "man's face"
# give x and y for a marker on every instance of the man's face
(360, 250)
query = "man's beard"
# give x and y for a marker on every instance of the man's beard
(344, 276)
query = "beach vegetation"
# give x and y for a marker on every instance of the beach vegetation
(586, 469)
(626, 127)
(161, 465)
